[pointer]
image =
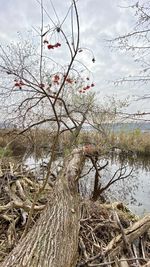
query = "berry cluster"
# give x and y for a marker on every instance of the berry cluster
(68, 80)
(56, 79)
(83, 90)
(50, 46)
(19, 83)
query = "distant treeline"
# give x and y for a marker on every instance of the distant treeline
(131, 126)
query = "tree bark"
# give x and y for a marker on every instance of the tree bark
(53, 240)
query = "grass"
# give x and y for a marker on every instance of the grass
(40, 141)
(135, 141)
(18, 145)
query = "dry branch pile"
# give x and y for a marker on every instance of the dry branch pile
(17, 192)
(109, 234)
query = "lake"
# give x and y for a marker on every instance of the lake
(133, 191)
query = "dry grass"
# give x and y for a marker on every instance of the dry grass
(136, 142)
(40, 141)
(18, 144)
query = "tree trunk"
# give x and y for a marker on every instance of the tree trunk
(53, 240)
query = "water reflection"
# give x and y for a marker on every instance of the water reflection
(134, 191)
(132, 160)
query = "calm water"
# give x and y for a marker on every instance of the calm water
(134, 191)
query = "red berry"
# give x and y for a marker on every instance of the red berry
(17, 84)
(69, 80)
(50, 46)
(92, 85)
(57, 45)
(80, 91)
(56, 77)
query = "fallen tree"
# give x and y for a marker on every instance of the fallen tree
(57, 96)
(53, 240)
(109, 233)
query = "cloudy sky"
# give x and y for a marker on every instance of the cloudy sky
(99, 20)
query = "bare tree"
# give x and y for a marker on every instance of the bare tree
(36, 90)
(136, 43)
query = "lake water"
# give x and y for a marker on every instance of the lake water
(134, 191)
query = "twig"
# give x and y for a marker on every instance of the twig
(112, 262)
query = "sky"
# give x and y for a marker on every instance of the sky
(99, 21)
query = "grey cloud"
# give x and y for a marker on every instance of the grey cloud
(99, 20)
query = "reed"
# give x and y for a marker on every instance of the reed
(39, 142)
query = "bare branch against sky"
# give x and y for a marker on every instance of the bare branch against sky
(99, 20)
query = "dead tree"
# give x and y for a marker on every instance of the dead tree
(53, 240)
(136, 43)
(48, 93)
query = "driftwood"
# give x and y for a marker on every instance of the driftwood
(132, 233)
(53, 240)
(147, 264)
(98, 246)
